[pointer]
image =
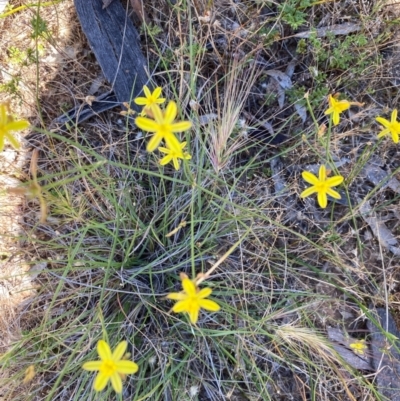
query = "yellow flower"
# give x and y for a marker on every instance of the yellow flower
(111, 366)
(173, 155)
(149, 100)
(191, 299)
(392, 126)
(359, 347)
(7, 124)
(163, 127)
(337, 107)
(321, 185)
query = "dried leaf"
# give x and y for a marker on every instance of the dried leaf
(283, 79)
(337, 29)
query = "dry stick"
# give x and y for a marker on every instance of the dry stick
(204, 276)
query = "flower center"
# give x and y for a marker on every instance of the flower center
(108, 367)
(395, 127)
(322, 187)
(165, 129)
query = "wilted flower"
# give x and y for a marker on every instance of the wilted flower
(321, 185)
(7, 124)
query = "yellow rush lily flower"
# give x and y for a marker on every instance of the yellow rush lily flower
(163, 127)
(359, 347)
(173, 155)
(321, 185)
(191, 299)
(111, 366)
(337, 107)
(391, 127)
(149, 99)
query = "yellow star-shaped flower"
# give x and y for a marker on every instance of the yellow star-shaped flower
(191, 299)
(174, 155)
(111, 366)
(391, 127)
(149, 100)
(163, 127)
(337, 107)
(321, 185)
(7, 124)
(359, 347)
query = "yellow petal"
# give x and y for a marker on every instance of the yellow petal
(160, 100)
(383, 122)
(17, 125)
(181, 126)
(164, 150)
(333, 193)
(395, 136)
(100, 382)
(308, 192)
(181, 306)
(204, 293)
(165, 160)
(336, 118)
(189, 287)
(127, 367)
(334, 181)
(146, 91)
(170, 112)
(141, 101)
(176, 163)
(329, 111)
(146, 124)
(14, 142)
(158, 114)
(173, 143)
(342, 106)
(153, 143)
(309, 177)
(383, 133)
(177, 296)
(119, 351)
(322, 173)
(103, 349)
(116, 382)
(92, 365)
(1, 142)
(194, 315)
(209, 305)
(157, 92)
(322, 199)
(394, 116)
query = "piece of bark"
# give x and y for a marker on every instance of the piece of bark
(385, 354)
(116, 45)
